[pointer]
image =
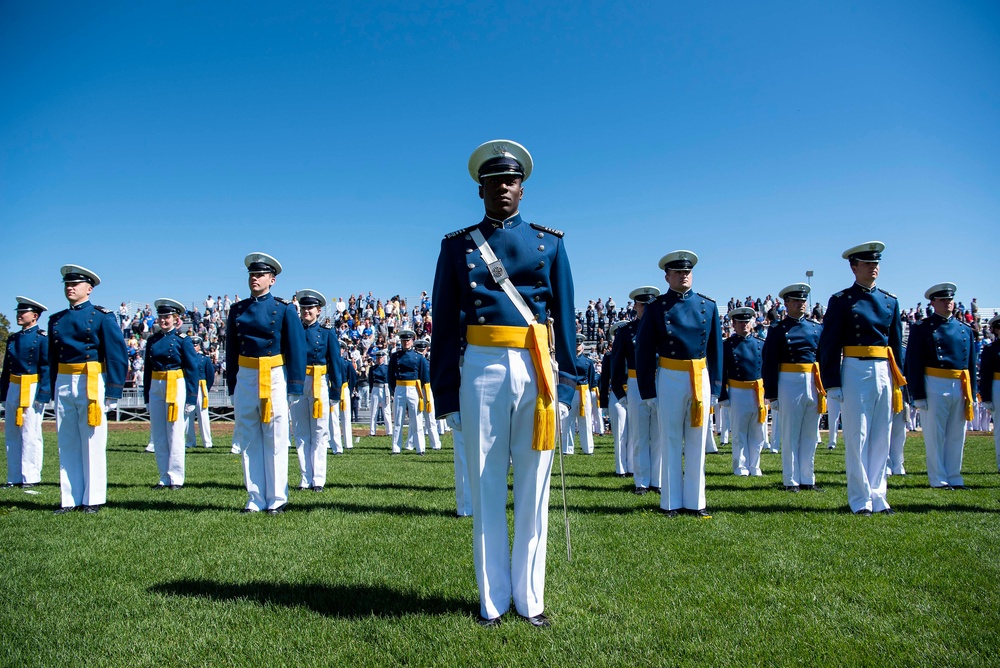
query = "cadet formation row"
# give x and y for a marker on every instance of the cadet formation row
(504, 376)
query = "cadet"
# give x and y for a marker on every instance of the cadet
(311, 413)
(423, 348)
(682, 329)
(792, 379)
(743, 392)
(989, 379)
(643, 424)
(265, 364)
(579, 417)
(494, 285)
(409, 372)
(170, 388)
(25, 387)
(614, 399)
(206, 379)
(340, 403)
(862, 323)
(941, 375)
(378, 381)
(87, 350)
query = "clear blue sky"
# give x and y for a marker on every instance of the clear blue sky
(158, 143)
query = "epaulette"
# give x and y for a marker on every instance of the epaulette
(101, 309)
(886, 292)
(705, 297)
(542, 228)
(838, 294)
(42, 332)
(282, 300)
(460, 233)
(327, 326)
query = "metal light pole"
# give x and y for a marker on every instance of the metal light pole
(809, 275)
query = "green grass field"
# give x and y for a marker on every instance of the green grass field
(376, 570)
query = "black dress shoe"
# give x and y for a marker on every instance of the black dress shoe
(671, 514)
(539, 621)
(654, 489)
(29, 485)
(247, 511)
(159, 485)
(811, 488)
(887, 511)
(91, 510)
(791, 488)
(864, 512)
(303, 488)
(175, 486)
(278, 510)
(488, 623)
(8, 485)
(942, 487)
(63, 510)
(703, 514)
(640, 491)
(959, 487)
(317, 488)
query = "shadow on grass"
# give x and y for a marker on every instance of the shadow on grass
(389, 486)
(348, 601)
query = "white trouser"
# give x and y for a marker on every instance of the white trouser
(596, 413)
(430, 420)
(576, 422)
(336, 428)
(498, 392)
(364, 396)
(380, 399)
(723, 422)
(406, 401)
(168, 437)
(832, 417)
(866, 414)
(746, 430)
(312, 435)
(265, 444)
(463, 492)
(644, 439)
(683, 445)
(944, 430)
(24, 443)
(201, 414)
(798, 399)
(345, 420)
(775, 444)
(897, 439)
(619, 425)
(83, 459)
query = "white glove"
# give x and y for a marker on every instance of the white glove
(39, 406)
(188, 409)
(836, 394)
(773, 403)
(563, 411)
(988, 405)
(715, 401)
(920, 404)
(454, 420)
(724, 402)
(110, 404)
(651, 403)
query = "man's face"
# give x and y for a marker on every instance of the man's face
(407, 343)
(865, 273)
(943, 306)
(501, 195)
(679, 280)
(77, 292)
(743, 327)
(260, 283)
(579, 348)
(796, 308)
(640, 307)
(26, 318)
(310, 314)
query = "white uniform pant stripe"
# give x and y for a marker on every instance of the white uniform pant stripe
(797, 399)
(944, 430)
(312, 435)
(684, 445)
(498, 392)
(83, 461)
(746, 432)
(265, 445)
(167, 437)
(866, 413)
(406, 401)
(619, 434)
(644, 439)
(24, 443)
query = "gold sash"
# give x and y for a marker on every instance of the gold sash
(534, 338)
(694, 369)
(317, 371)
(171, 378)
(263, 366)
(203, 385)
(758, 387)
(956, 374)
(583, 389)
(813, 368)
(92, 370)
(883, 352)
(24, 398)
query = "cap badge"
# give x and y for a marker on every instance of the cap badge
(499, 149)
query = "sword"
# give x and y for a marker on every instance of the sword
(558, 431)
